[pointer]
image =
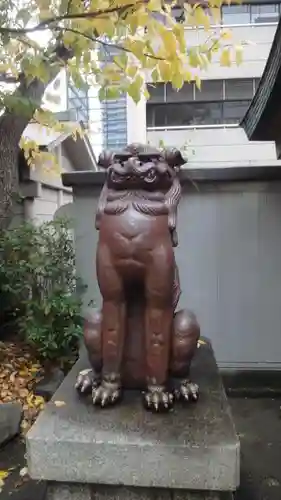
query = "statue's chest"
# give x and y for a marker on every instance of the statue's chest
(135, 202)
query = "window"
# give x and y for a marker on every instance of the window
(157, 92)
(239, 89)
(218, 102)
(265, 13)
(236, 14)
(251, 13)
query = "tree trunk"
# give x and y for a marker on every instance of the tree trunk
(12, 127)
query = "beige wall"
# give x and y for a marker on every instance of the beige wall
(255, 54)
(50, 193)
(46, 205)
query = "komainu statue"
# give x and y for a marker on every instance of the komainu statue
(138, 340)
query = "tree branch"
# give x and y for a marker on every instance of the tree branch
(43, 25)
(106, 44)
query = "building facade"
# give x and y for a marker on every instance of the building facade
(205, 123)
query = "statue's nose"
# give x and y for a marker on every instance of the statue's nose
(131, 165)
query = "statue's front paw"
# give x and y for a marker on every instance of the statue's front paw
(85, 381)
(106, 394)
(158, 399)
(187, 391)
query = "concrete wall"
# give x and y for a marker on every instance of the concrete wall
(255, 54)
(46, 205)
(220, 146)
(43, 193)
(229, 261)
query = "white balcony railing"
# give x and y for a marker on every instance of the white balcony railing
(193, 127)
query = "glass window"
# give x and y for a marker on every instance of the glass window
(233, 111)
(159, 115)
(186, 93)
(219, 102)
(188, 114)
(239, 88)
(236, 14)
(157, 92)
(211, 90)
(150, 115)
(205, 113)
(267, 13)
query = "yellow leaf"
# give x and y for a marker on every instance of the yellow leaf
(216, 3)
(3, 474)
(164, 70)
(59, 403)
(134, 89)
(226, 35)
(201, 18)
(170, 42)
(201, 342)
(187, 76)
(24, 424)
(104, 26)
(194, 58)
(38, 401)
(131, 71)
(225, 59)
(35, 368)
(178, 30)
(137, 47)
(155, 5)
(198, 82)
(216, 14)
(155, 75)
(177, 80)
(239, 54)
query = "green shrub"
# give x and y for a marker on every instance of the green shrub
(38, 286)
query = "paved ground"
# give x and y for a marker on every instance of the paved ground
(258, 423)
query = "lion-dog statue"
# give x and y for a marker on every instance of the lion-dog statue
(138, 340)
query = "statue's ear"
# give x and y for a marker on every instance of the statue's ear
(173, 157)
(105, 159)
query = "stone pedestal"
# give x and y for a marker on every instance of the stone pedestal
(127, 453)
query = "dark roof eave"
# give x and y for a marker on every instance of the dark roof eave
(257, 121)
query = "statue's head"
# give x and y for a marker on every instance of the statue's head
(141, 167)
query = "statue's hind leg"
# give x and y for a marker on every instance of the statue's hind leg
(186, 333)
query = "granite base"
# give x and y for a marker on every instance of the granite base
(87, 492)
(194, 448)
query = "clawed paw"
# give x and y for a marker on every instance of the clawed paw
(85, 381)
(188, 391)
(106, 394)
(158, 399)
